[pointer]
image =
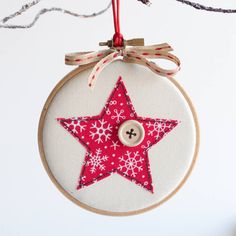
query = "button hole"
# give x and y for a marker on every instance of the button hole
(131, 133)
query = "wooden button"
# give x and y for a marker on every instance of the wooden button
(131, 133)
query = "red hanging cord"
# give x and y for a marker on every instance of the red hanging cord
(118, 37)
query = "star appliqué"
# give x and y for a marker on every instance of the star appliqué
(105, 154)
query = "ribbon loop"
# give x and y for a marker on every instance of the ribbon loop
(83, 58)
(135, 54)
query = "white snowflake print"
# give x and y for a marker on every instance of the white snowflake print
(83, 178)
(74, 123)
(108, 112)
(131, 163)
(129, 103)
(118, 115)
(156, 128)
(147, 144)
(96, 161)
(146, 147)
(113, 102)
(115, 145)
(101, 131)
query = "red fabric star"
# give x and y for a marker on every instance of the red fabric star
(105, 153)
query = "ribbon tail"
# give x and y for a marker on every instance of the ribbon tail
(84, 58)
(99, 67)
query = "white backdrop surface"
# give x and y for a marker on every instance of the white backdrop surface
(31, 63)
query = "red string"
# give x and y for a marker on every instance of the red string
(118, 37)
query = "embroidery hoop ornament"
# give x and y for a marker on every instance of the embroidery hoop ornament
(55, 91)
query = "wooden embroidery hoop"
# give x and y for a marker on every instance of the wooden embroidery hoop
(57, 88)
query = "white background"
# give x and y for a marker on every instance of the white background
(31, 63)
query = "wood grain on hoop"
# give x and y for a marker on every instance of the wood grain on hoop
(70, 76)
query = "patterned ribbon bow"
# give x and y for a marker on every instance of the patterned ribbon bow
(134, 54)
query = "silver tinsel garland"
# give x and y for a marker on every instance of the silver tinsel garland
(3, 22)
